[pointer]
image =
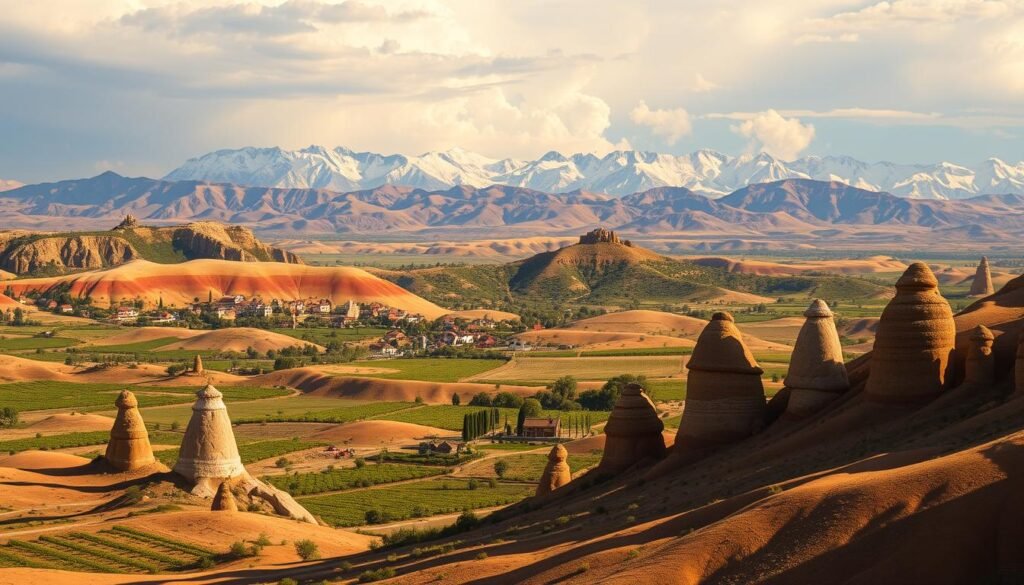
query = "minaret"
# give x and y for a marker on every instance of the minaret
(982, 284)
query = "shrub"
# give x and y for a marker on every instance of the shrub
(307, 549)
(263, 539)
(360, 463)
(377, 575)
(481, 556)
(500, 467)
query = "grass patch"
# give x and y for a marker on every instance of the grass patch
(20, 343)
(47, 394)
(251, 452)
(302, 484)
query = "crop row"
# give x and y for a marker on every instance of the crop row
(168, 542)
(333, 415)
(302, 484)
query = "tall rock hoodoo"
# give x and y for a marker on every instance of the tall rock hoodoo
(725, 397)
(633, 432)
(197, 364)
(817, 374)
(209, 454)
(129, 448)
(556, 473)
(982, 284)
(224, 501)
(979, 367)
(915, 338)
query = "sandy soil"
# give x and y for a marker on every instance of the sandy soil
(485, 314)
(238, 339)
(143, 334)
(380, 433)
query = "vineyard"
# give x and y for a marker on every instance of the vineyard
(527, 466)
(451, 417)
(77, 440)
(301, 484)
(251, 452)
(120, 550)
(413, 500)
(45, 395)
(333, 415)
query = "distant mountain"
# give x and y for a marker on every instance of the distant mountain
(617, 173)
(788, 207)
(8, 184)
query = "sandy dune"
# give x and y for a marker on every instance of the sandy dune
(374, 433)
(316, 382)
(238, 339)
(179, 284)
(36, 460)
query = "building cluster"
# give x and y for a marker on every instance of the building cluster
(447, 332)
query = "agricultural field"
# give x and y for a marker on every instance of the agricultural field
(430, 369)
(252, 452)
(526, 466)
(45, 395)
(119, 550)
(303, 484)
(331, 414)
(255, 411)
(450, 417)
(542, 370)
(667, 389)
(325, 335)
(414, 500)
(23, 343)
(82, 439)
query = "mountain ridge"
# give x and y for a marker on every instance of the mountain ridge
(617, 173)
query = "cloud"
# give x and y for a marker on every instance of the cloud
(843, 113)
(783, 138)
(670, 124)
(702, 84)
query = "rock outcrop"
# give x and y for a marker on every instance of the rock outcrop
(129, 448)
(224, 501)
(725, 396)
(209, 454)
(817, 374)
(981, 286)
(633, 432)
(916, 335)
(43, 253)
(197, 364)
(556, 472)
(603, 236)
(979, 367)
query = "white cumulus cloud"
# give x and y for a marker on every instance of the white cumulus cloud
(783, 138)
(671, 124)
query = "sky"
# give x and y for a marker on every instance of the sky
(139, 86)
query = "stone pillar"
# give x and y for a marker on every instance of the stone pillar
(129, 448)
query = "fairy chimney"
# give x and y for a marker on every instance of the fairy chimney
(556, 473)
(979, 367)
(633, 431)
(817, 374)
(129, 448)
(224, 501)
(725, 396)
(982, 284)
(208, 450)
(197, 364)
(916, 335)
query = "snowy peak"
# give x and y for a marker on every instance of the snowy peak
(616, 173)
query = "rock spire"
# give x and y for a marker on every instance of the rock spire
(725, 396)
(556, 473)
(208, 450)
(224, 501)
(129, 448)
(916, 336)
(817, 374)
(982, 284)
(979, 367)
(633, 432)
(197, 364)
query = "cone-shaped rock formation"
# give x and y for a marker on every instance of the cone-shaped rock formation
(224, 501)
(982, 284)
(208, 451)
(979, 369)
(725, 397)
(817, 374)
(556, 473)
(129, 448)
(197, 364)
(633, 431)
(916, 335)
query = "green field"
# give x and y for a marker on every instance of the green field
(449, 417)
(45, 395)
(325, 335)
(527, 466)
(334, 414)
(668, 389)
(414, 499)
(68, 440)
(21, 343)
(430, 369)
(251, 452)
(302, 484)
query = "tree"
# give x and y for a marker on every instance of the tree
(456, 400)
(506, 400)
(500, 467)
(605, 398)
(530, 408)
(8, 416)
(481, 399)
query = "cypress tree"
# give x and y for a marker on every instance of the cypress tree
(465, 427)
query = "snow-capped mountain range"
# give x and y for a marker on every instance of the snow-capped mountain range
(617, 173)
